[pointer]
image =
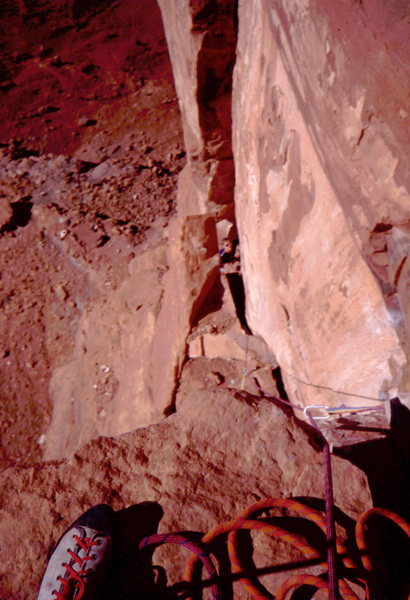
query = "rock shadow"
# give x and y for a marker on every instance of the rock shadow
(133, 575)
(386, 463)
(237, 290)
(20, 215)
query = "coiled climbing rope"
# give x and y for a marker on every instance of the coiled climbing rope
(244, 522)
(255, 589)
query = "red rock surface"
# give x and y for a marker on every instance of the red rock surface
(71, 72)
(321, 146)
(199, 467)
(320, 155)
(87, 168)
(116, 317)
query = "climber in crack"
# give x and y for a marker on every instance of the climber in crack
(230, 256)
(231, 267)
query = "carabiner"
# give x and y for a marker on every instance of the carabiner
(308, 415)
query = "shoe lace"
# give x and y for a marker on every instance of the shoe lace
(72, 586)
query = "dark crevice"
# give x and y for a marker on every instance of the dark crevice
(237, 290)
(103, 240)
(277, 376)
(18, 151)
(86, 166)
(386, 463)
(215, 62)
(171, 408)
(21, 214)
(399, 271)
(382, 227)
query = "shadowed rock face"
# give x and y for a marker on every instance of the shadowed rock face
(202, 43)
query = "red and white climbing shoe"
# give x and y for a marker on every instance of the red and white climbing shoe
(80, 563)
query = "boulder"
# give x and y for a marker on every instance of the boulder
(199, 467)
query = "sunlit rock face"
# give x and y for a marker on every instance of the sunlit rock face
(201, 39)
(308, 159)
(321, 160)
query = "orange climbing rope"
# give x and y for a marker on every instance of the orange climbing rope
(361, 530)
(307, 512)
(241, 523)
(254, 588)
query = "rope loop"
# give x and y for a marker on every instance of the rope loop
(202, 551)
(181, 540)
(361, 526)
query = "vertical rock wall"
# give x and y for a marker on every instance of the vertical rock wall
(201, 38)
(320, 146)
(321, 197)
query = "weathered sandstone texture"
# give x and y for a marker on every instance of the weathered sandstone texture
(201, 42)
(115, 317)
(192, 471)
(320, 144)
(317, 194)
(87, 186)
(321, 149)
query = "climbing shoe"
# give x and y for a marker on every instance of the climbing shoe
(80, 563)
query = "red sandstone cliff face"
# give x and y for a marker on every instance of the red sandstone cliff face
(295, 210)
(321, 195)
(115, 312)
(321, 155)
